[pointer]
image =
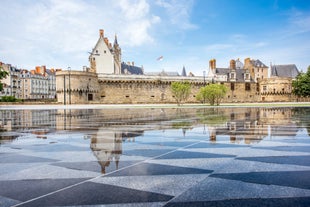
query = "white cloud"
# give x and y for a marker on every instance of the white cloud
(135, 22)
(179, 12)
(59, 33)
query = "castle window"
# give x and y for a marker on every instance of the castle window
(105, 51)
(97, 51)
(232, 86)
(247, 86)
(257, 87)
(264, 88)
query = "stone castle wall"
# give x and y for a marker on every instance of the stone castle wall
(76, 87)
(86, 87)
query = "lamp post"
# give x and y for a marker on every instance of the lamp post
(204, 78)
(69, 69)
(64, 89)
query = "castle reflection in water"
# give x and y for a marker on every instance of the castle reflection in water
(108, 129)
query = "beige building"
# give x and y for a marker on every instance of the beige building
(29, 85)
(38, 84)
(11, 84)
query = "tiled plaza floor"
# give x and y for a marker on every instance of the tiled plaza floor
(158, 168)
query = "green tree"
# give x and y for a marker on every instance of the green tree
(213, 94)
(180, 91)
(3, 74)
(301, 86)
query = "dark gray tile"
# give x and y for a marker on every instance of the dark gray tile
(156, 169)
(16, 158)
(52, 147)
(287, 148)
(100, 166)
(298, 179)
(23, 190)
(146, 152)
(188, 155)
(170, 144)
(214, 145)
(288, 160)
(95, 194)
(251, 202)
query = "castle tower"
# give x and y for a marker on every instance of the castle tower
(184, 71)
(117, 57)
(101, 58)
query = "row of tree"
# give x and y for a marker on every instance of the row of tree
(301, 86)
(213, 93)
(3, 75)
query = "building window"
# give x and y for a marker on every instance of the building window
(90, 97)
(264, 88)
(232, 76)
(247, 86)
(105, 51)
(232, 86)
(257, 87)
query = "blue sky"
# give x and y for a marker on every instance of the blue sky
(59, 33)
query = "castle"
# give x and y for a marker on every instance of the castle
(108, 80)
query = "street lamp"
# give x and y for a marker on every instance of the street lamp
(64, 89)
(204, 78)
(69, 69)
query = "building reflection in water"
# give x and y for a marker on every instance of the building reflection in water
(108, 129)
(107, 146)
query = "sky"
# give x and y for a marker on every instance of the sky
(60, 33)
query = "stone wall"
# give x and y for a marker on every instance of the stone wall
(146, 89)
(76, 87)
(86, 87)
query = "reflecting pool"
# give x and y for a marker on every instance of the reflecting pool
(155, 156)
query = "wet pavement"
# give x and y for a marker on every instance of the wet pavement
(229, 156)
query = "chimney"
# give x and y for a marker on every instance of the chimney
(38, 69)
(106, 40)
(212, 64)
(101, 32)
(247, 62)
(232, 64)
(133, 63)
(44, 69)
